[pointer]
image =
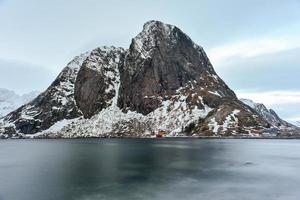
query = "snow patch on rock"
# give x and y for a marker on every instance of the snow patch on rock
(231, 121)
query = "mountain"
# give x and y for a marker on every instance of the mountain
(163, 84)
(270, 116)
(55, 104)
(294, 122)
(297, 123)
(10, 101)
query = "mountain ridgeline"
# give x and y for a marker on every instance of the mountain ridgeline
(10, 101)
(163, 84)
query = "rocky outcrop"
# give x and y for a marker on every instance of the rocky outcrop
(99, 73)
(163, 84)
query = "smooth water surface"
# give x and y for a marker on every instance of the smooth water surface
(88, 169)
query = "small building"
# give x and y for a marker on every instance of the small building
(161, 133)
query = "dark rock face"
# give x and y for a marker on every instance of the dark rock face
(94, 84)
(162, 59)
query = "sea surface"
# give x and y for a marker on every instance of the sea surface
(159, 169)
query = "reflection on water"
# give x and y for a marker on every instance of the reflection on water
(149, 169)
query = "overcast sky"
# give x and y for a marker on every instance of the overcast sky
(254, 45)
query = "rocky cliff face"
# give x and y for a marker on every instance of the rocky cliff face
(96, 80)
(161, 60)
(164, 83)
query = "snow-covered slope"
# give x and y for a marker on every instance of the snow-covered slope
(9, 100)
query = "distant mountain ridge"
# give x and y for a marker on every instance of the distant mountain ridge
(164, 84)
(268, 114)
(295, 122)
(9, 100)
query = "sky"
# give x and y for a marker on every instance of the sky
(254, 45)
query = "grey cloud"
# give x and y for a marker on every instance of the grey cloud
(24, 77)
(278, 71)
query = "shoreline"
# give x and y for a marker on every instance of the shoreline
(164, 138)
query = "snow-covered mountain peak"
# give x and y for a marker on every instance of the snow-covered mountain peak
(78, 60)
(153, 25)
(157, 34)
(154, 29)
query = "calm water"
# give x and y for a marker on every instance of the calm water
(149, 169)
